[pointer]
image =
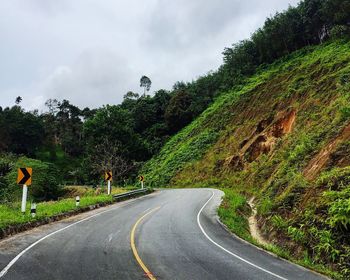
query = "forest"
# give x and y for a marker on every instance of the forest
(72, 145)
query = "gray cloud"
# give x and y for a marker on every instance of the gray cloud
(92, 52)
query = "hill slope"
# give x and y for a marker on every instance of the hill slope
(283, 137)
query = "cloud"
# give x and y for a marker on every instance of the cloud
(97, 77)
(93, 52)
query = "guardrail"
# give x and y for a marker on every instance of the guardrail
(131, 194)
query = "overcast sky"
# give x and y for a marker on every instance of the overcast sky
(92, 52)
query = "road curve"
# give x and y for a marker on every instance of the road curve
(171, 234)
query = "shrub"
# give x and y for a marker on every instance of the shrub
(44, 181)
(339, 208)
(339, 32)
(279, 222)
(325, 246)
(296, 234)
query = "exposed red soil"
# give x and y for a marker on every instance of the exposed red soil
(262, 140)
(322, 158)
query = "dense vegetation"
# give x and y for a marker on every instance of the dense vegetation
(74, 140)
(260, 124)
(282, 137)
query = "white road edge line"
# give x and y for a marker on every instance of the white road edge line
(15, 259)
(227, 251)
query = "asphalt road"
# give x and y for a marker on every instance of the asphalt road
(170, 234)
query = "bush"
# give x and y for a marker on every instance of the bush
(44, 181)
(339, 208)
(6, 164)
(339, 32)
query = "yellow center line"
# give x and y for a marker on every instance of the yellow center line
(133, 247)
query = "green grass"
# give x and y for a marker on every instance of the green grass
(306, 213)
(10, 214)
(233, 212)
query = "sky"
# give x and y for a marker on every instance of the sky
(92, 52)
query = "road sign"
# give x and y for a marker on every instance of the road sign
(142, 179)
(24, 176)
(108, 176)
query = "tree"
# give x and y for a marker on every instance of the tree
(178, 113)
(70, 128)
(18, 100)
(130, 100)
(145, 82)
(115, 124)
(21, 132)
(108, 156)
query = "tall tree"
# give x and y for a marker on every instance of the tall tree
(145, 82)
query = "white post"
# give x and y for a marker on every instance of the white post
(77, 201)
(109, 187)
(33, 210)
(24, 198)
(141, 184)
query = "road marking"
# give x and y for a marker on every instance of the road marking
(227, 251)
(133, 247)
(145, 210)
(15, 259)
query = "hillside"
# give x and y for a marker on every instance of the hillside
(283, 137)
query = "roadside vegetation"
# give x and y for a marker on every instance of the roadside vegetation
(272, 122)
(10, 214)
(234, 213)
(74, 139)
(283, 137)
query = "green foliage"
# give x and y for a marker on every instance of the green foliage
(10, 214)
(20, 132)
(178, 113)
(339, 207)
(44, 181)
(296, 234)
(191, 150)
(325, 245)
(265, 205)
(290, 203)
(339, 31)
(232, 213)
(279, 222)
(335, 178)
(115, 124)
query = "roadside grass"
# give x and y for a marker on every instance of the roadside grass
(308, 216)
(72, 191)
(234, 213)
(10, 214)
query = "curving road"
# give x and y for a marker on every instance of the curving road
(170, 234)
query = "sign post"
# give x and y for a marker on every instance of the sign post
(77, 200)
(33, 210)
(108, 178)
(24, 198)
(24, 178)
(109, 187)
(142, 179)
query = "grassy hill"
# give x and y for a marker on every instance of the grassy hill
(283, 137)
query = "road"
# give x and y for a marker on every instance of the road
(170, 234)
